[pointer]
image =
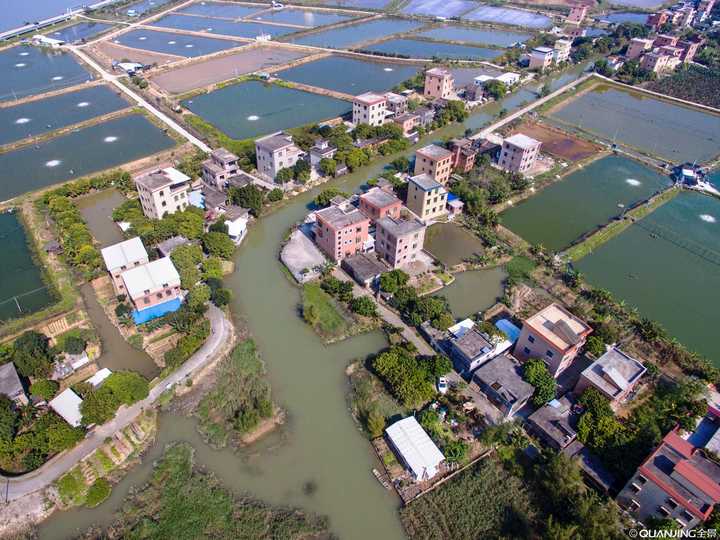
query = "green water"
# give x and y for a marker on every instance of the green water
(582, 201)
(358, 76)
(451, 244)
(252, 109)
(96, 210)
(486, 36)
(79, 153)
(667, 265)
(661, 128)
(428, 49)
(348, 36)
(474, 291)
(22, 289)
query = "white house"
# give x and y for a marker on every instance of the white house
(123, 256)
(67, 405)
(471, 348)
(415, 448)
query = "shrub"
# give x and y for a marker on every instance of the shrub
(364, 306)
(275, 195)
(391, 281)
(44, 388)
(218, 244)
(97, 493)
(188, 344)
(221, 297)
(74, 344)
(536, 373)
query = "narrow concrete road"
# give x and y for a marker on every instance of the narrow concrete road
(165, 119)
(388, 315)
(14, 488)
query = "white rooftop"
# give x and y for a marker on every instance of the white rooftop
(152, 276)
(97, 379)
(67, 404)
(124, 254)
(174, 175)
(460, 329)
(415, 447)
(522, 141)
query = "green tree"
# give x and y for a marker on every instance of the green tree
(31, 354)
(595, 346)
(323, 198)
(439, 365)
(495, 89)
(400, 164)
(44, 388)
(198, 296)
(186, 259)
(536, 373)
(61, 436)
(250, 197)
(375, 423)
(8, 420)
(328, 167)
(74, 344)
(455, 451)
(284, 176)
(221, 296)
(127, 386)
(391, 281)
(275, 195)
(362, 305)
(218, 244)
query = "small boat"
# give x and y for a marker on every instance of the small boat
(380, 479)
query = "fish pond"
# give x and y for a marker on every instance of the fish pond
(253, 108)
(648, 4)
(438, 8)
(626, 17)
(56, 112)
(29, 71)
(220, 26)
(169, 43)
(503, 15)
(582, 201)
(347, 36)
(144, 6)
(475, 290)
(452, 244)
(80, 31)
(412, 48)
(222, 9)
(486, 36)
(302, 17)
(668, 266)
(672, 131)
(79, 153)
(358, 76)
(22, 289)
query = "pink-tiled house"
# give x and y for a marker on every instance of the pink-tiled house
(341, 231)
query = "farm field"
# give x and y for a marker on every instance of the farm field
(559, 143)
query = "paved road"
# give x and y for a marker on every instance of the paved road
(164, 118)
(14, 488)
(388, 315)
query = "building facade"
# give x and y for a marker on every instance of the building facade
(463, 155)
(518, 153)
(163, 192)
(638, 47)
(439, 83)
(121, 257)
(369, 108)
(541, 58)
(426, 198)
(435, 161)
(398, 241)
(219, 168)
(276, 152)
(341, 231)
(615, 374)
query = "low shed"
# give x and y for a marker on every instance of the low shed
(415, 448)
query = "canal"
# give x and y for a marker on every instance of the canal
(320, 442)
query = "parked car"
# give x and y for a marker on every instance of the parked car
(442, 385)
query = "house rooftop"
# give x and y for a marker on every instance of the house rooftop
(341, 216)
(124, 253)
(417, 449)
(222, 154)
(379, 198)
(159, 179)
(100, 376)
(434, 152)
(275, 142)
(438, 72)
(151, 277)
(67, 405)
(364, 267)
(614, 372)
(522, 141)
(558, 326)
(166, 247)
(406, 116)
(10, 384)
(400, 227)
(425, 182)
(395, 98)
(504, 375)
(473, 343)
(370, 98)
(557, 421)
(590, 465)
(542, 50)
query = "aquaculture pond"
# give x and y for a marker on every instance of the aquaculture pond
(582, 201)
(438, 8)
(626, 17)
(222, 9)
(144, 6)
(649, 4)
(29, 71)
(347, 36)
(22, 289)
(252, 108)
(674, 132)
(37, 117)
(80, 31)
(169, 43)
(19, 12)
(502, 15)
(428, 49)
(79, 153)
(486, 36)
(302, 17)
(362, 4)
(358, 76)
(220, 26)
(668, 266)
(96, 210)
(452, 244)
(475, 290)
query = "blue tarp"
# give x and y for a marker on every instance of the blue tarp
(512, 331)
(452, 197)
(158, 310)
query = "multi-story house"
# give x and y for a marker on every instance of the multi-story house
(219, 168)
(561, 50)
(541, 58)
(435, 161)
(163, 192)
(276, 152)
(657, 62)
(396, 103)
(665, 39)
(463, 155)
(689, 48)
(615, 374)
(377, 203)
(554, 335)
(638, 47)
(121, 257)
(518, 153)
(369, 108)
(426, 198)
(11, 386)
(409, 123)
(341, 230)
(322, 149)
(398, 241)
(153, 288)
(439, 83)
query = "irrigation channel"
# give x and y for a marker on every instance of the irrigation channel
(319, 443)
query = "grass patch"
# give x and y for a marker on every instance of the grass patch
(327, 318)
(614, 228)
(71, 487)
(105, 462)
(136, 341)
(520, 268)
(97, 493)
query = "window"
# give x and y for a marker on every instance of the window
(531, 339)
(526, 350)
(671, 503)
(549, 354)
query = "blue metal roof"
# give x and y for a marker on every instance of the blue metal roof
(158, 310)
